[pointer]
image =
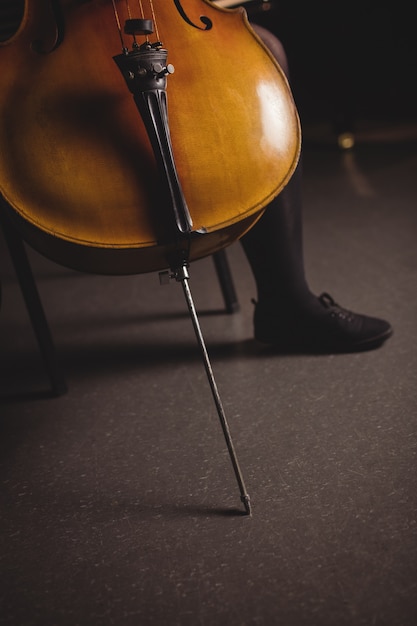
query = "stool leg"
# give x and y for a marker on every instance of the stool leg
(224, 275)
(34, 306)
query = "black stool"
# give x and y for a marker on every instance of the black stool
(37, 315)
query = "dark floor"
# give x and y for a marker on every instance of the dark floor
(119, 502)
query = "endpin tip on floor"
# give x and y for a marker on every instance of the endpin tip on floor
(246, 502)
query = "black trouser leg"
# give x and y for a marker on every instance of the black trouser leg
(274, 248)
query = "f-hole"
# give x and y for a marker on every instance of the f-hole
(208, 24)
(11, 15)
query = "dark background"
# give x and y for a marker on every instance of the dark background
(348, 60)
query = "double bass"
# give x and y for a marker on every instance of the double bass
(99, 174)
(78, 171)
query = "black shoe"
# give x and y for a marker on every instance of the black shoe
(325, 329)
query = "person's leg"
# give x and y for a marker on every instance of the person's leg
(287, 313)
(274, 248)
(274, 45)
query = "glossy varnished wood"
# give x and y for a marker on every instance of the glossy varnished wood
(77, 166)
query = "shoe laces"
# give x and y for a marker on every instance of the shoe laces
(337, 311)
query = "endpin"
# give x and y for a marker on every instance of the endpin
(246, 503)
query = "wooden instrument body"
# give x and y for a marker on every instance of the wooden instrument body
(76, 164)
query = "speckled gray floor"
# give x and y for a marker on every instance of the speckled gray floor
(118, 502)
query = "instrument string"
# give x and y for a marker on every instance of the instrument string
(129, 16)
(119, 27)
(155, 22)
(140, 5)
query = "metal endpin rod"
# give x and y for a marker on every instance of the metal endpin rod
(148, 87)
(182, 276)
